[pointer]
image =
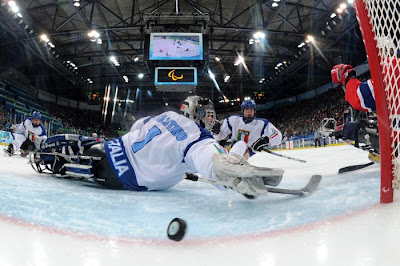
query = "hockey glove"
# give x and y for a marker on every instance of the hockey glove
(260, 144)
(216, 128)
(342, 73)
(30, 136)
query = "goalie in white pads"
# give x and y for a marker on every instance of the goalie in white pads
(159, 150)
(26, 134)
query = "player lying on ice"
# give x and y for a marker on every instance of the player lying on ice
(361, 97)
(154, 155)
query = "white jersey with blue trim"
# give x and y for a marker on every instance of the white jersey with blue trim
(249, 132)
(27, 126)
(158, 150)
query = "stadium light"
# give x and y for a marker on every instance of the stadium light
(136, 59)
(259, 35)
(94, 34)
(13, 6)
(310, 38)
(350, 2)
(77, 4)
(275, 4)
(339, 10)
(333, 15)
(217, 59)
(343, 6)
(12, 3)
(140, 75)
(44, 38)
(301, 45)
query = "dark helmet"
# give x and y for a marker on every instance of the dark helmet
(248, 104)
(36, 115)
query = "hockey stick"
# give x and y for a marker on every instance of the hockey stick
(286, 157)
(309, 188)
(354, 167)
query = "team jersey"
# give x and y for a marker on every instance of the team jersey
(361, 95)
(249, 132)
(27, 126)
(158, 150)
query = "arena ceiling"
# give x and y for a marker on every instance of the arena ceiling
(277, 65)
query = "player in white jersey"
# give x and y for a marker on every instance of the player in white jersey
(248, 133)
(25, 133)
(157, 152)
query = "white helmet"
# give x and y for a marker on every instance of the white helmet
(199, 109)
(386, 46)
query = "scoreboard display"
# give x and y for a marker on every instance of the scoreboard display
(94, 98)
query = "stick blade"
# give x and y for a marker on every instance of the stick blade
(312, 184)
(308, 189)
(354, 167)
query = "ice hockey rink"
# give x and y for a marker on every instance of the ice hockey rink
(51, 221)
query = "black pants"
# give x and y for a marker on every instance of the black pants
(317, 141)
(103, 172)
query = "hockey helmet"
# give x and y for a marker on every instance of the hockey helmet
(36, 115)
(248, 104)
(36, 119)
(199, 109)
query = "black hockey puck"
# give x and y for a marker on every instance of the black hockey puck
(176, 229)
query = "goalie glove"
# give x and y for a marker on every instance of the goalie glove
(260, 144)
(342, 73)
(242, 177)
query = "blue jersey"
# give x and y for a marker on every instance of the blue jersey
(158, 150)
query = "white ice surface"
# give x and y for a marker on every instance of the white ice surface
(50, 221)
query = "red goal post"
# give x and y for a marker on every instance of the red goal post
(378, 20)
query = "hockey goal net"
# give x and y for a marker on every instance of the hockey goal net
(380, 27)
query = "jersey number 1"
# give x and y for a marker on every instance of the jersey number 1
(154, 131)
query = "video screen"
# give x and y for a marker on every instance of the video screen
(176, 46)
